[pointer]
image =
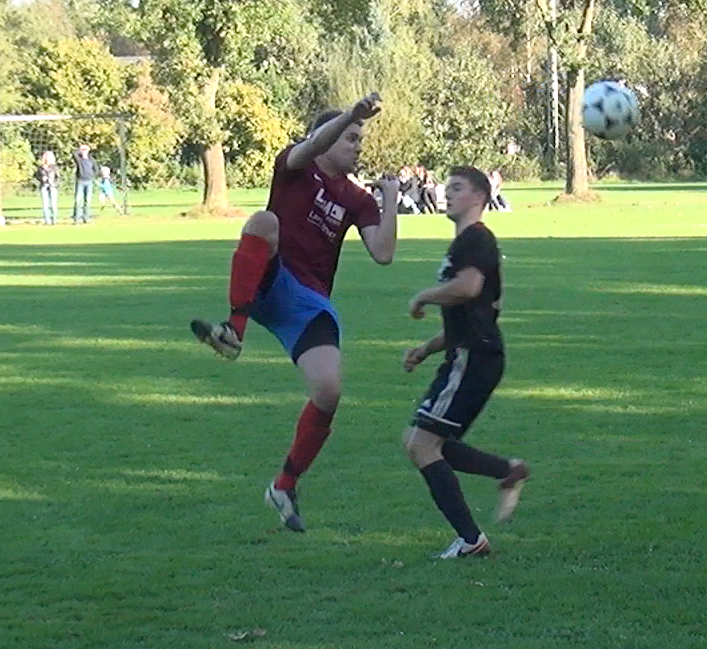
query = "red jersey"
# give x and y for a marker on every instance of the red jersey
(315, 211)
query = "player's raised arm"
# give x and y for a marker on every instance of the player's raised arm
(380, 239)
(321, 140)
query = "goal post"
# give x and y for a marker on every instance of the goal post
(24, 138)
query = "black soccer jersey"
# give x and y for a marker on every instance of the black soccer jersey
(472, 324)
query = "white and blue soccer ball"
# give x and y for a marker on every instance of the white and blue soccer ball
(609, 110)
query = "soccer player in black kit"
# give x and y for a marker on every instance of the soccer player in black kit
(469, 294)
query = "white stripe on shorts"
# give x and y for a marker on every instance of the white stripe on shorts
(442, 420)
(444, 400)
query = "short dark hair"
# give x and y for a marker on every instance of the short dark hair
(478, 179)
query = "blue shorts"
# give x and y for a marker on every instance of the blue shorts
(287, 306)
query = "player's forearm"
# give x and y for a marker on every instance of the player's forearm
(387, 231)
(453, 292)
(434, 344)
(319, 142)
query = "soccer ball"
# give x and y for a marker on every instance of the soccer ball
(609, 110)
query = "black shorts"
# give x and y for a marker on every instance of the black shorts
(322, 330)
(459, 392)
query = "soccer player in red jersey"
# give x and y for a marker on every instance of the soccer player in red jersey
(283, 271)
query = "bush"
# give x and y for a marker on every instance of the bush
(255, 134)
(521, 167)
(17, 164)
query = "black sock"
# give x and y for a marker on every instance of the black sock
(468, 459)
(449, 499)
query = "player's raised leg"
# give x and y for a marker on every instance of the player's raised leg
(258, 245)
(425, 450)
(321, 367)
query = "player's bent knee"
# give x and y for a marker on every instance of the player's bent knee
(326, 394)
(263, 224)
(420, 448)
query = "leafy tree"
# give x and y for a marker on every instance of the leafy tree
(154, 133)
(570, 34)
(198, 45)
(255, 133)
(464, 112)
(75, 77)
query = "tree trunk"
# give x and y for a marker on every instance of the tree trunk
(553, 98)
(577, 181)
(215, 188)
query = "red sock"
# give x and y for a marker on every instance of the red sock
(313, 428)
(247, 269)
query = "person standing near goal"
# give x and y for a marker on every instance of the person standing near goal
(48, 177)
(86, 172)
(470, 299)
(105, 191)
(283, 271)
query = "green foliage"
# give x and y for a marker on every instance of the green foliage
(464, 113)
(153, 131)
(17, 162)
(667, 77)
(74, 76)
(255, 133)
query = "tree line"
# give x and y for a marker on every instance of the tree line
(212, 90)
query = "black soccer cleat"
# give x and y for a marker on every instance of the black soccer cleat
(222, 338)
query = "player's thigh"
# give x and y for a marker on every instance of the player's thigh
(321, 367)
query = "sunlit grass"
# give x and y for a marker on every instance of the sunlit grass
(133, 462)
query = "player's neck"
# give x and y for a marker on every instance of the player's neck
(326, 167)
(470, 218)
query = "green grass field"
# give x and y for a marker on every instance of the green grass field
(132, 462)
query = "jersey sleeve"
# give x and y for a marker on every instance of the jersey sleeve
(281, 171)
(367, 212)
(476, 248)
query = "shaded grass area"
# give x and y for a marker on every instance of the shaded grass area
(133, 463)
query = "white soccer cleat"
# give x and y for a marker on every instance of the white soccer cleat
(222, 338)
(460, 548)
(510, 488)
(284, 502)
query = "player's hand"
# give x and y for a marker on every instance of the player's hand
(389, 186)
(413, 357)
(367, 107)
(417, 308)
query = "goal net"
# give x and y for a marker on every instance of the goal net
(25, 138)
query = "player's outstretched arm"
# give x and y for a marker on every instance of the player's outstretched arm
(302, 154)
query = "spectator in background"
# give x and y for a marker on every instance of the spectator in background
(105, 187)
(48, 177)
(498, 202)
(428, 195)
(409, 192)
(86, 172)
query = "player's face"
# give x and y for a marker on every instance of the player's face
(345, 152)
(462, 196)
